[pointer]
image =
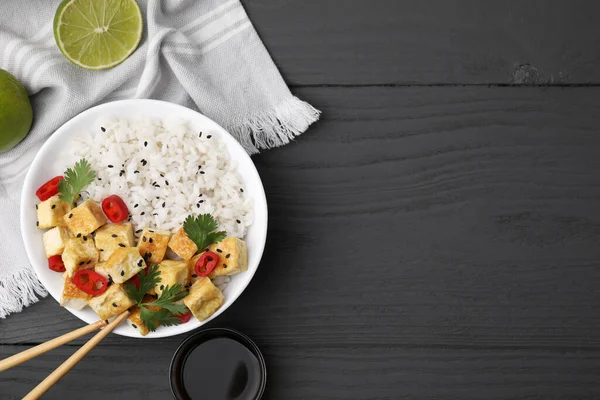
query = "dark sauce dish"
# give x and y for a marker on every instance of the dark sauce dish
(218, 364)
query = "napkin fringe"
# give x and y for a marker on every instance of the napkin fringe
(276, 128)
(20, 290)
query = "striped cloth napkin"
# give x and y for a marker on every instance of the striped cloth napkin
(202, 54)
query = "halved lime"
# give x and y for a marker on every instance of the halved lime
(98, 34)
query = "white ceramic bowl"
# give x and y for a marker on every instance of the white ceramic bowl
(48, 164)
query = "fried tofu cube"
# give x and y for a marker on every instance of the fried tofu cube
(72, 296)
(50, 213)
(85, 218)
(101, 269)
(182, 245)
(112, 302)
(153, 245)
(233, 257)
(112, 236)
(172, 273)
(124, 263)
(80, 253)
(135, 318)
(204, 299)
(55, 240)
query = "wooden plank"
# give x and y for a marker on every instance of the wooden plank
(325, 373)
(383, 42)
(463, 217)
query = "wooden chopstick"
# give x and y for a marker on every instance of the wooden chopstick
(49, 345)
(74, 359)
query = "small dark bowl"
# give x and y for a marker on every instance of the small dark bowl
(176, 371)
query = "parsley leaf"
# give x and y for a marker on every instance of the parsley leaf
(201, 230)
(75, 180)
(168, 297)
(161, 311)
(148, 280)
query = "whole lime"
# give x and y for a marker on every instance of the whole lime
(16, 114)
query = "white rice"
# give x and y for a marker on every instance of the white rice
(185, 173)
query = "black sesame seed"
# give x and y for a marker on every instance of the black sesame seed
(162, 175)
(136, 172)
(209, 258)
(219, 251)
(99, 178)
(200, 195)
(121, 173)
(157, 185)
(140, 263)
(198, 205)
(201, 172)
(142, 213)
(37, 223)
(228, 255)
(122, 245)
(115, 305)
(162, 287)
(103, 129)
(238, 221)
(208, 136)
(144, 238)
(70, 215)
(88, 262)
(53, 206)
(150, 230)
(134, 326)
(164, 204)
(150, 240)
(110, 166)
(85, 238)
(167, 183)
(79, 235)
(138, 231)
(224, 265)
(144, 162)
(194, 276)
(155, 214)
(241, 190)
(113, 235)
(136, 206)
(200, 134)
(145, 144)
(100, 249)
(201, 201)
(36, 206)
(81, 262)
(122, 273)
(93, 234)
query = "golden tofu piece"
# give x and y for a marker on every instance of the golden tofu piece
(112, 302)
(182, 245)
(172, 273)
(204, 299)
(72, 296)
(101, 269)
(135, 319)
(153, 245)
(54, 240)
(124, 263)
(233, 257)
(85, 218)
(80, 253)
(50, 213)
(112, 236)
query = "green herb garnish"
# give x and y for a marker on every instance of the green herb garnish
(76, 179)
(201, 230)
(166, 309)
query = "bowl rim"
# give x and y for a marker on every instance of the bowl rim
(122, 104)
(223, 332)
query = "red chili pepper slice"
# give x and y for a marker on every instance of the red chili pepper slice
(49, 188)
(184, 317)
(136, 278)
(206, 263)
(90, 282)
(55, 263)
(115, 209)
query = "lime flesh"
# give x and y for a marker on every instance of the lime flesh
(16, 114)
(98, 34)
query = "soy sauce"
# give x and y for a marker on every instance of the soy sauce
(217, 364)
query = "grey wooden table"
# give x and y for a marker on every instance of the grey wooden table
(435, 235)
